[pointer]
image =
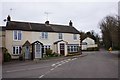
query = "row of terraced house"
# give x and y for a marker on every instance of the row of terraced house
(35, 38)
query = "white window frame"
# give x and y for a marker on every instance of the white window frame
(17, 39)
(16, 50)
(44, 35)
(60, 35)
(73, 48)
(75, 36)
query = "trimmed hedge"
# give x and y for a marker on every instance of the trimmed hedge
(93, 49)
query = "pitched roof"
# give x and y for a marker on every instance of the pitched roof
(60, 41)
(28, 26)
(27, 43)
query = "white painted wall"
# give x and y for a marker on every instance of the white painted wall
(89, 41)
(34, 36)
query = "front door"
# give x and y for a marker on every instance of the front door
(27, 52)
(62, 48)
(38, 52)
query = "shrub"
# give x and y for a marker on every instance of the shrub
(49, 52)
(6, 55)
(93, 49)
(55, 54)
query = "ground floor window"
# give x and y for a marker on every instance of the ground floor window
(73, 48)
(45, 47)
(17, 50)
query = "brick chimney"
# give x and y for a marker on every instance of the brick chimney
(70, 23)
(8, 18)
(47, 22)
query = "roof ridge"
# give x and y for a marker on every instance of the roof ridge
(28, 26)
(39, 23)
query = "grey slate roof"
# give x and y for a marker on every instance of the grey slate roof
(28, 26)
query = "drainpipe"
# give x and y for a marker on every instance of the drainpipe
(80, 45)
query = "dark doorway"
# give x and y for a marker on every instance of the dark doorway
(62, 48)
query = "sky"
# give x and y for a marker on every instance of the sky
(84, 14)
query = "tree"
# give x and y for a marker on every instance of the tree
(90, 34)
(110, 31)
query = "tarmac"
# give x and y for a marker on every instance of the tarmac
(27, 62)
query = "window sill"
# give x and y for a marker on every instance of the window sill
(43, 39)
(75, 40)
(15, 54)
(17, 40)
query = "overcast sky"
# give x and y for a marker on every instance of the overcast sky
(84, 15)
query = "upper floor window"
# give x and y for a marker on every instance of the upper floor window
(17, 35)
(60, 35)
(75, 36)
(44, 35)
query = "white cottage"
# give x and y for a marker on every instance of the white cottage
(88, 43)
(35, 38)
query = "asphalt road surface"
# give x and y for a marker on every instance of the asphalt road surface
(97, 64)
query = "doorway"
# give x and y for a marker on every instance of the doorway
(62, 48)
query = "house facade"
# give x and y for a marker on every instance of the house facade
(88, 43)
(2, 36)
(33, 39)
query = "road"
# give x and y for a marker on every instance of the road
(97, 64)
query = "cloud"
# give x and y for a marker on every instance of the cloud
(85, 15)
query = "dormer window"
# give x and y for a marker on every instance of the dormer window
(17, 35)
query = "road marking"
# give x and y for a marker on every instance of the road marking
(26, 69)
(16, 70)
(55, 65)
(52, 69)
(74, 58)
(69, 59)
(41, 76)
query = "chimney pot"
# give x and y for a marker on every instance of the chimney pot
(70, 23)
(47, 22)
(8, 18)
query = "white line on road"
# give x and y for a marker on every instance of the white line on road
(26, 69)
(41, 76)
(52, 69)
(74, 58)
(55, 65)
(16, 70)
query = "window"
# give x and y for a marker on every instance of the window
(37, 48)
(45, 47)
(75, 36)
(44, 35)
(60, 36)
(72, 48)
(17, 35)
(16, 50)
